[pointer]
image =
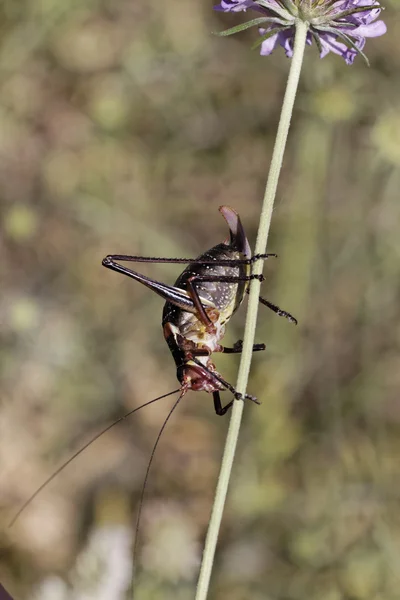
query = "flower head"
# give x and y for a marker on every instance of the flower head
(339, 26)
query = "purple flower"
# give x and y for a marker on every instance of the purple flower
(339, 26)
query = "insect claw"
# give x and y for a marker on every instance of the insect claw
(289, 317)
(260, 278)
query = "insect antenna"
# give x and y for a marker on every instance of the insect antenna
(141, 501)
(78, 452)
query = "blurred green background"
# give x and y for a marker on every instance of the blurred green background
(123, 126)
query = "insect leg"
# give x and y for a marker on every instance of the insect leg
(159, 259)
(277, 310)
(170, 293)
(238, 348)
(193, 293)
(262, 257)
(219, 409)
(146, 259)
(226, 384)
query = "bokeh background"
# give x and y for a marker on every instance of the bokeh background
(123, 126)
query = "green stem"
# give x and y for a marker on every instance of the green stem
(251, 319)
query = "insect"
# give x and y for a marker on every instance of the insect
(199, 305)
(197, 309)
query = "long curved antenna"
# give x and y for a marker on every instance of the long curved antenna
(135, 545)
(78, 452)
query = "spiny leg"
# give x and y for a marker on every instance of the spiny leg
(226, 384)
(170, 293)
(238, 348)
(262, 257)
(219, 409)
(277, 310)
(154, 259)
(183, 299)
(194, 294)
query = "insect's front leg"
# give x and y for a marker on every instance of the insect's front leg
(226, 384)
(219, 409)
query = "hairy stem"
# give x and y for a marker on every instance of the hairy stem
(251, 319)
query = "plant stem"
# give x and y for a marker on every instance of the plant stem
(252, 310)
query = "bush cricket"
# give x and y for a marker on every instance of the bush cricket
(197, 309)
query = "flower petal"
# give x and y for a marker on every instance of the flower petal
(330, 43)
(287, 42)
(373, 30)
(364, 18)
(236, 5)
(269, 45)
